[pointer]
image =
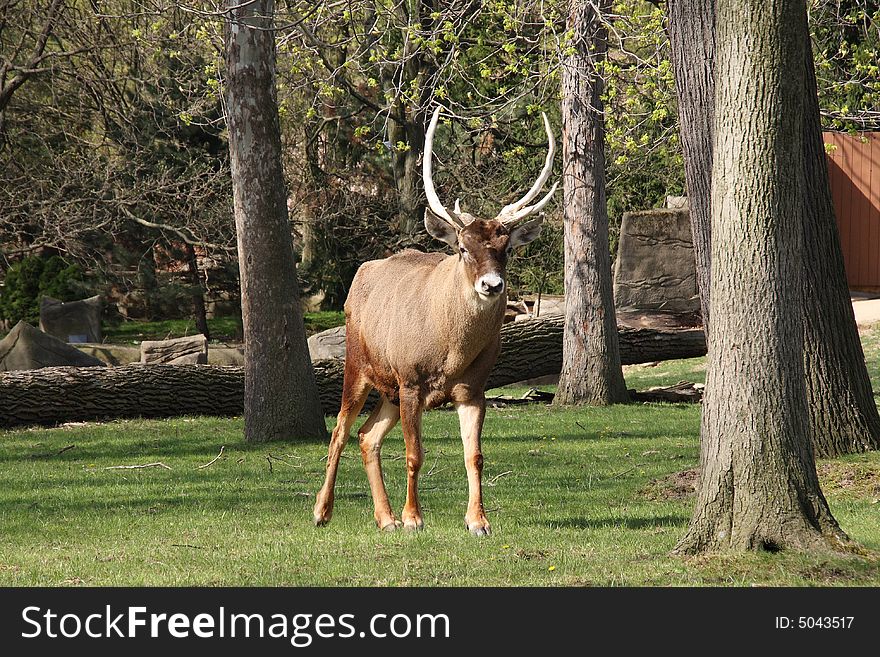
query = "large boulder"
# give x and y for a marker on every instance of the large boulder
(191, 350)
(72, 321)
(655, 267)
(27, 348)
(327, 344)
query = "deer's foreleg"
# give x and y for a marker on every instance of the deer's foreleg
(470, 416)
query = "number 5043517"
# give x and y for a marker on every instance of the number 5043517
(814, 622)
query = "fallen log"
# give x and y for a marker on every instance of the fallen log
(54, 395)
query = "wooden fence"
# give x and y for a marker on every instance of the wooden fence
(854, 171)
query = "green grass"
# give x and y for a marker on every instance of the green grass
(575, 497)
(568, 492)
(224, 329)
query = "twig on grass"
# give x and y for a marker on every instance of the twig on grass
(187, 545)
(620, 474)
(157, 464)
(48, 454)
(281, 460)
(434, 469)
(494, 479)
(213, 460)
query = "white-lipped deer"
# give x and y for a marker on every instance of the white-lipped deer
(424, 329)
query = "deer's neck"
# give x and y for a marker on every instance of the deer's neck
(469, 321)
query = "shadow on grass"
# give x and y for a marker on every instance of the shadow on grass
(92, 448)
(628, 523)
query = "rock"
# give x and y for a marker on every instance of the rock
(677, 202)
(551, 304)
(72, 321)
(655, 267)
(312, 303)
(28, 348)
(226, 356)
(191, 350)
(112, 354)
(327, 344)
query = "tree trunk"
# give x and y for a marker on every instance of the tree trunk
(280, 397)
(591, 371)
(148, 281)
(407, 171)
(198, 293)
(53, 395)
(692, 40)
(843, 414)
(758, 486)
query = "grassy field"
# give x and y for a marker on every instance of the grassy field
(575, 497)
(224, 329)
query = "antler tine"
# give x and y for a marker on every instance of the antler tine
(515, 208)
(433, 200)
(531, 209)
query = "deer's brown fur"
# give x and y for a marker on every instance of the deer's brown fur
(423, 329)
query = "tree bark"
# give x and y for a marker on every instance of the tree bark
(53, 395)
(280, 397)
(198, 293)
(843, 414)
(692, 40)
(758, 486)
(591, 368)
(405, 165)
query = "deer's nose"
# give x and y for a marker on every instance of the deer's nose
(490, 284)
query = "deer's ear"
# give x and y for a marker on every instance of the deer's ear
(526, 232)
(440, 229)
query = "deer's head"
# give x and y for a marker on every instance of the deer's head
(484, 245)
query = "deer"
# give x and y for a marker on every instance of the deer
(424, 329)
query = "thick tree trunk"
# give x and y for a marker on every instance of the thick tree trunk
(53, 395)
(843, 414)
(591, 371)
(758, 486)
(198, 293)
(692, 40)
(280, 398)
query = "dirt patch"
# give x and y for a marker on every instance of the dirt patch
(677, 486)
(826, 573)
(860, 480)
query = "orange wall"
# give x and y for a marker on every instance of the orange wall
(854, 171)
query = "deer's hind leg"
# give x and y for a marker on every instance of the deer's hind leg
(370, 436)
(411, 409)
(355, 389)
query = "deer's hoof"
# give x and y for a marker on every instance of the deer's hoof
(479, 528)
(392, 526)
(321, 516)
(413, 524)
